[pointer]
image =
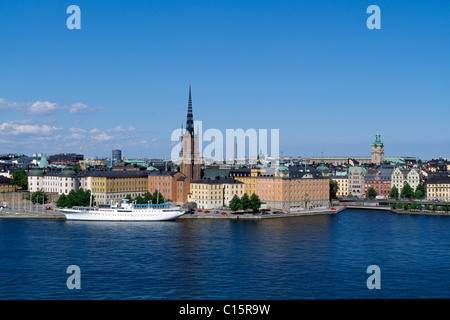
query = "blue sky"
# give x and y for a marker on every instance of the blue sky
(309, 68)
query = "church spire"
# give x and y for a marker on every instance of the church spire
(190, 116)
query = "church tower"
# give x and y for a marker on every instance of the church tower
(377, 150)
(190, 164)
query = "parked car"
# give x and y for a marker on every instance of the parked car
(276, 212)
(48, 208)
(199, 210)
(223, 212)
(206, 211)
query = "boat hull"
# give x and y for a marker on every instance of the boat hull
(144, 215)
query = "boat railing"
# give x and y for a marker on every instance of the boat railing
(147, 205)
(85, 208)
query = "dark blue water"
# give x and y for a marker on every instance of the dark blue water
(318, 257)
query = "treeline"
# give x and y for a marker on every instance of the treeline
(245, 203)
(406, 193)
(154, 198)
(81, 198)
(417, 206)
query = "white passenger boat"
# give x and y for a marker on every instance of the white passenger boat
(125, 212)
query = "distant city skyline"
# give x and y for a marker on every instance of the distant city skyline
(312, 70)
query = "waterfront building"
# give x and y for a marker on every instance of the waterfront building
(248, 176)
(401, 176)
(377, 150)
(174, 186)
(53, 181)
(379, 180)
(215, 193)
(438, 186)
(6, 186)
(112, 186)
(190, 164)
(342, 182)
(356, 181)
(293, 187)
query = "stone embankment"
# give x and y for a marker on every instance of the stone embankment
(8, 213)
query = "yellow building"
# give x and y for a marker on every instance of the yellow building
(211, 194)
(438, 187)
(6, 186)
(248, 176)
(293, 188)
(342, 182)
(113, 186)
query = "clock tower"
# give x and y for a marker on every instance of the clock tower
(377, 150)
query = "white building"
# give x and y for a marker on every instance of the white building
(53, 181)
(400, 177)
(356, 181)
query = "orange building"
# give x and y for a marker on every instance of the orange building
(173, 186)
(290, 188)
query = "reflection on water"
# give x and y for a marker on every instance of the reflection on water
(315, 257)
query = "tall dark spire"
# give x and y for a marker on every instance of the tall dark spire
(190, 116)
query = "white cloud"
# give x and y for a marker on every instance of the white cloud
(78, 108)
(45, 107)
(102, 137)
(5, 104)
(116, 129)
(24, 127)
(77, 130)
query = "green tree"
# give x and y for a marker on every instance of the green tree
(147, 197)
(434, 207)
(394, 205)
(255, 202)
(245, 202)
(235, 203)
(62, 201)
(415, 206)
(157, 197)
(371, 193)
(80, 198)
(407, 191)
(71, 199)
(427, 207)
(139, 200)
(394, 193)
(334, 188)
(420, 192)
(445, 208)
(20, 178)
(76, 167)
(38, 197)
